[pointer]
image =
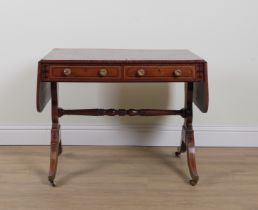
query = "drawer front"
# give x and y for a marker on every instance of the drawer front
(162, 73)
(84, 73)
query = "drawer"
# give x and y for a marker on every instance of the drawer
(163, 73)
(84, 73)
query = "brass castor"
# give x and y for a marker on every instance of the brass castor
(177, 154)
(194, 181)
(51, 181)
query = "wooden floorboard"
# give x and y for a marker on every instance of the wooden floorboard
(123, 178)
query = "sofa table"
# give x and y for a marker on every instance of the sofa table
(130, 66)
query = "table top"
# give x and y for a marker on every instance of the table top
(60, 55)
(86, 64)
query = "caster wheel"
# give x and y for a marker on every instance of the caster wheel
(51, 181)
(193, 182)
(177, 154)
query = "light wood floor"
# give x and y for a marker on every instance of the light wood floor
(125, 178)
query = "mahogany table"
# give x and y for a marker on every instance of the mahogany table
(108, 65)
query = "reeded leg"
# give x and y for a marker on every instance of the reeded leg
(182, 148)
(54, 152)
(187, 139)
(190, 148)
(56, 147)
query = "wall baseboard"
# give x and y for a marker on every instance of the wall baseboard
(210, 136)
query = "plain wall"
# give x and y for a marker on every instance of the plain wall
(225, 33)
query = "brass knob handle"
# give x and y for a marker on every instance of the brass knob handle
(141, 72)
(178, 72)
(67, 71)
(103, 72)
